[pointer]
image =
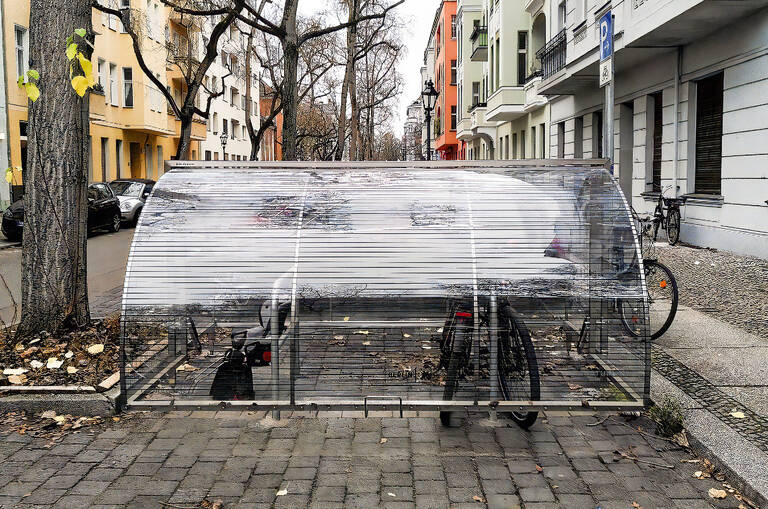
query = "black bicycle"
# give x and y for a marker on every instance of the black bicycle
(666, 216)
(518, 372)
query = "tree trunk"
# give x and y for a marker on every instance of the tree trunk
(353, 6)
(355, 118)
(290, 98)
(54, 286)
(255, 141)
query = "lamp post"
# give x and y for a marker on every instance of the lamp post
(428, 99)
(223, 139)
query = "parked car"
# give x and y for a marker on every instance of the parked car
(103, 212)
(132, 194)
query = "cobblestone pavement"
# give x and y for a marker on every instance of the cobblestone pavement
(245, 459)
(731, 287)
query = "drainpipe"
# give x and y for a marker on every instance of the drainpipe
(678, 74)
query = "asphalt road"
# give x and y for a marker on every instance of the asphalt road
(107, 256)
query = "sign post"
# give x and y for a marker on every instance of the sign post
(607, 81)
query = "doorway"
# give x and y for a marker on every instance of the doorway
(626, 147)
(135, 160)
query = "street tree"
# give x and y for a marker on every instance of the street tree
(54, 288)
(183, 53)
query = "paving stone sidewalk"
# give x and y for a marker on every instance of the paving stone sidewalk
(330, 462)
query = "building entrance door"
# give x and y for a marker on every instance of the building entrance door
(135, 155)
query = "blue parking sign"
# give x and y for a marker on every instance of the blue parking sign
(606, 36)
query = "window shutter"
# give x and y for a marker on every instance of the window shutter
(709, 135)
(658, 127)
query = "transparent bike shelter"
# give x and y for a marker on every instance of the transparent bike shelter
(365, 267)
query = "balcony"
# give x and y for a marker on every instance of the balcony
(506, 104)
(533, 6)
(464, 130)
(552, 56)
(479, 39)
(533, 100)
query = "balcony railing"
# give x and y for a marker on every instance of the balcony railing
(552, 55)
(479, 40)
(476, 105)
(536, 73)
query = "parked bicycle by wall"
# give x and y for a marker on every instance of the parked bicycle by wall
(666, 216)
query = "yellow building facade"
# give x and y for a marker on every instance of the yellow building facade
(132, 129)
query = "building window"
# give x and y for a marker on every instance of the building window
(578, 138)
(119, 158)
(113, 21)
(148, 160)
(453, 118)
(497, 72)
(224, 126)
(522, 57)
(453, 72)
(522, 144)
(127, 87)
(506, 146)
(597, 134)
(22, 58)
(543, 149)
(562, 13)
(514, 145)
(533, 141)
(113, 97)
(207, 155)
(658, 136)
(709, 135)
(101, 79)
(453, 26)
(475, 93)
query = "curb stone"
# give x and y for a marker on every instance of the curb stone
(85, 405)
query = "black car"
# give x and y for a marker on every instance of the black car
(103, 212)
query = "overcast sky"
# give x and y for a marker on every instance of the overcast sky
(418, 16)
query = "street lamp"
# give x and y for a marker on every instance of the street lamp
(428, 99)
(224, 139)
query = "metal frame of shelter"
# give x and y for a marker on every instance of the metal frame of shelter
(352, 276)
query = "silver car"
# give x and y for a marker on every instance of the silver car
(132, 194)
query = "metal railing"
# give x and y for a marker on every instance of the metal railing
(479, 39)
(553, 55)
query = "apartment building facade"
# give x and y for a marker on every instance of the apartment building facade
(271, 144)
(229, 111)
(504, 116)
(132, 130)
(412, 146)
(690, 114)
(445, 116)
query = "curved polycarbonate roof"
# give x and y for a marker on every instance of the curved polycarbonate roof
(223, 232)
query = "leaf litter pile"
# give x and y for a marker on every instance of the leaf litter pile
(82, 357)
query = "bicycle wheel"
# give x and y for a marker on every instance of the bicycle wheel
(518, 368)
(673, 227)
(662, 303)
(459, 336)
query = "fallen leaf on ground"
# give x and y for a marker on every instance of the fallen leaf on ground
(68, 355)
(48, 414)
(366, 343)
(478, 499)
(186, 367)
(636, 505)
(383, 441)
(689, 461)
(425, 347)
(36, 364)
(54, 363)
(338, 338)
(574, 387)
(439, 330)
(406, 335)
(71, 370)
(217, 505)
(539, 469)
(738, 415)
(60, 418)
(95, 349)
(681, 439)
(363, 332)
(719, 494)
(346, 318)
(17, 379)
(282, 493)
(391, 494)
(14, 371)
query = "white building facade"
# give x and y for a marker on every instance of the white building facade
(414, 150)
(690, 111)
(228, 111)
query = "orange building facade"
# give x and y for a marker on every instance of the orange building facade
(446, 75)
